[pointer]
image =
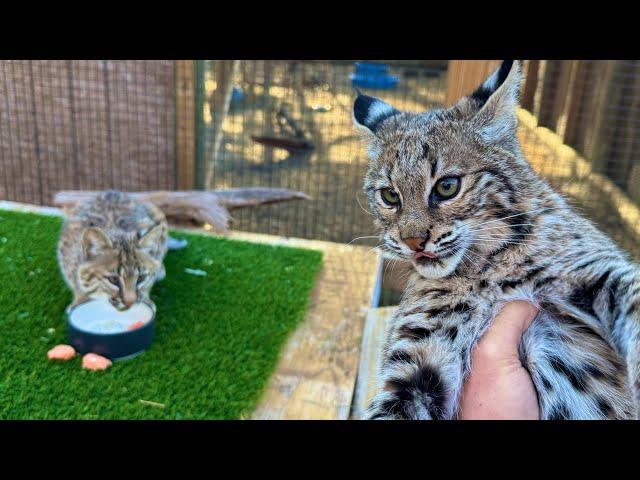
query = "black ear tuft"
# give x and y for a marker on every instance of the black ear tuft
(497, 103)
(484, 91)
(370, 112)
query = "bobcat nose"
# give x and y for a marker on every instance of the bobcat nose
(129, 299)
(416, 243)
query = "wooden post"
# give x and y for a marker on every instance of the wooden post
(530, 84)
(225, 72)
(623, 119)
(554, 89)
(185, 124)
(567, 96)
(598, 134)
(464, 76)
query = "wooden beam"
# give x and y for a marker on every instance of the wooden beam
(464, 76)
(555, 88)
(598, 134)
(375, 333)
(185, 124)
(225, 71)
(530, 84)
(575, 121)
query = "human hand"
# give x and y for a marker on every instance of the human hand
(499, 387)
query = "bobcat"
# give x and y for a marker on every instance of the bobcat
(112, 247)
(453, 194)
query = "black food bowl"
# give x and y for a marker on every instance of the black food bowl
(113, 345)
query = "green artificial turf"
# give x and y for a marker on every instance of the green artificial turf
(218, 336)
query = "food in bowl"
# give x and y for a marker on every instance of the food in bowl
(102, 317)
(98, 327)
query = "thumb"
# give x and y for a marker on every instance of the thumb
(503, 337)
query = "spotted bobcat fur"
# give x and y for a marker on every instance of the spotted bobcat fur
(503, 235)
(112, 247)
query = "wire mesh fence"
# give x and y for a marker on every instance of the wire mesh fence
(146, 125)
(580, 131)
(306, 104)
(86, 125)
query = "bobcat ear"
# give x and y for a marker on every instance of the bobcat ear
(151, 238)
(95, 241)
(497, 99)
(370, 112)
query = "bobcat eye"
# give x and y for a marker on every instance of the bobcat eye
(390, 197)
(141, 278)
(114, 280)
(448, 187)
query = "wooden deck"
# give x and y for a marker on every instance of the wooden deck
(375, 329)
(316, 374)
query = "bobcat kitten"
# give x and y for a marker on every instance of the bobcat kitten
(453, 194)
(112, 247)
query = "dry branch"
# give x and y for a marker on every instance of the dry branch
(292, 145)
(208, 206)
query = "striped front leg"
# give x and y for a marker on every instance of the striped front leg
(422, 368)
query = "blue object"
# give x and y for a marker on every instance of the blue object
(236, 95)
(365, 68)
(374, 76)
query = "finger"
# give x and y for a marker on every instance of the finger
(503, 337)
(513, 320)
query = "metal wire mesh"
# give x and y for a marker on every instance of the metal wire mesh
(317, 96)
(141, 125)
(581, 132)
(93, 124)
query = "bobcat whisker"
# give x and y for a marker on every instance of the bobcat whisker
(502, 226)
(480, 257)
(360, 238)
(360, 205)
(516, 215)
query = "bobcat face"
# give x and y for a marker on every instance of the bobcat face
(118, 269)
(440, 183)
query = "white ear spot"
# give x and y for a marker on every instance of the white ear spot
(377, 111)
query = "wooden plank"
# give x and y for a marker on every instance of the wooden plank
(375, 331)
(530, 84)
(623, 120)
(554, 92)
(464, 76)
(599, 135)
(185, 124)
(225, 71)
(562, 95)
(574, 130)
